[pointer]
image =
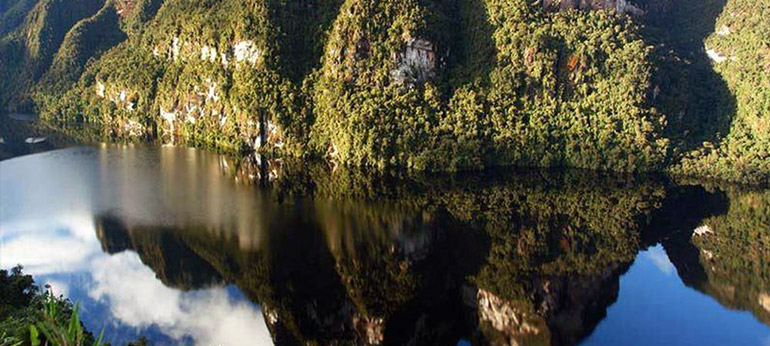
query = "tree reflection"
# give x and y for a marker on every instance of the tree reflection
(495, 258)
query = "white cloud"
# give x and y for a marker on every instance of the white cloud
(58, 287)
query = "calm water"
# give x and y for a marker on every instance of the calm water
(188, 247)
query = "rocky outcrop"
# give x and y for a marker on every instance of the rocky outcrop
(558, 310)
(509, 319)
(764, 301)
(239, 53)
(619, 6)
(416, 64)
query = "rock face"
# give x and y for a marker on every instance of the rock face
(559, 310)
(507, 318)
(619, 6)
(726, 256)
(243, 52)
(416, 64)
(764, 301)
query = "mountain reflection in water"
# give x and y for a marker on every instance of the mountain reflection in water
(186, 246)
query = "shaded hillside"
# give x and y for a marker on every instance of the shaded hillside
(728, 60)
(27, 52)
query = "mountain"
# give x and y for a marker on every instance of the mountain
(426, 84)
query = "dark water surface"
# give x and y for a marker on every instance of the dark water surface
(189, 247)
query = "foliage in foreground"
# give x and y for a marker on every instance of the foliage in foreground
(31, 317)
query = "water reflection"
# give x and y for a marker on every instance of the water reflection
(191, 247)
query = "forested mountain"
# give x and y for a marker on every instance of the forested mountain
(681, 86)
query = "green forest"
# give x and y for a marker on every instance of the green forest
(439, 85)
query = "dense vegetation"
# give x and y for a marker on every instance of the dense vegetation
(729, 96)
(27, 52)
(735, 253)
(29, 316)
(424, 84)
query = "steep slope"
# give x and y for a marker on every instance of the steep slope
(12, 14)
(376, 101)
(527, 88)
(737, 46)
(29, 50)
(555, 89)
(424, 84)
(733, 251)
(86, 40)
(210, 73)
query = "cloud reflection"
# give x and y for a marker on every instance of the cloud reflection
(209, 316)
(128, 289)
(56, 245)
(660, 259)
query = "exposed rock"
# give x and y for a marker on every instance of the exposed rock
(212, 94)
(723, 31)
(209, 53)
(271, 316)
(764, 301)
(133, 129)
(169, 117)
(225, 61)
(273, 135)
(619, 6)
(416, 64)
(175, 49)
(371, 329)
(246, 51)
(504, 316)
(702, 230)
(100, 89)
(626, 7)
(125, 7)
(715, 56)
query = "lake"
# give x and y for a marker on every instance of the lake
(185, 246)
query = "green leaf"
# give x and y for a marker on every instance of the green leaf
(34, 335)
